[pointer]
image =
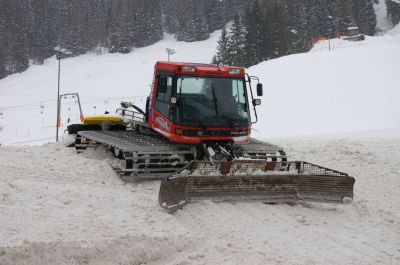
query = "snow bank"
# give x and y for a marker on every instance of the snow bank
(381, 15)
(395, 30)
(125, 250)
(344, 90)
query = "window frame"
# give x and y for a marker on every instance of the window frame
(167, 101)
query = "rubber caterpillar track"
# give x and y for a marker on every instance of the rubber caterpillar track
(152, 156)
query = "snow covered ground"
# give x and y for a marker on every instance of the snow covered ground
(59, 207)
(381, 15)
(28, 100)
(352, 88)
(348, 89)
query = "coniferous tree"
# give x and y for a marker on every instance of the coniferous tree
(120, 37)
(201, 28)
(215, 14)
(186, 22)
(313, 21)
(345, 17)
(236, 43)
(393, 10)
(364, 15)
(257, 35)
(3, 72)
(279, 45)
(76, 42)
(303, 30)
(40, 36)
(15, 45)
(154, 22)
(296, 22)
(170, 16)
(192, 22)
(323, 26)
(99, 24)
(32, 28)
(222, 49)
(147, 24)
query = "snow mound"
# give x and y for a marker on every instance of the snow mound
(125, 250)
(394, 31)
(343, 90)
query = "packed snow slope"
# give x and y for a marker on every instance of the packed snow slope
(353, 87)
(102, 81)
(381, 15)
(60, 207)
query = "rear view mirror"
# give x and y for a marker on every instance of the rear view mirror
(256, 102)
(259, 89)
(162, 84)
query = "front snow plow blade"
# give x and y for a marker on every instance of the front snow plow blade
(251, 180)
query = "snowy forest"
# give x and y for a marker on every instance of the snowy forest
(271, 29)
(262, 29)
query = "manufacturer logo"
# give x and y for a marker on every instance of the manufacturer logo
(162, 123)
(238, 132)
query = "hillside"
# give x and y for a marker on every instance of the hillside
(101, 81)
(29, 31)
(353, 87)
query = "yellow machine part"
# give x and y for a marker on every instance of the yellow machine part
(102, 120)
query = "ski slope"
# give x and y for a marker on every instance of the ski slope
(353, 87)
(348, 89)
(381, 15)
(102, 81)
(60, 207)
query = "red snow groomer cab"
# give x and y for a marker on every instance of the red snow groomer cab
(195, 103)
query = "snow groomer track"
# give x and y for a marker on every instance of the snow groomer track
(151, 156)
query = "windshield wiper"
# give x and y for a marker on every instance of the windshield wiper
(215, 100)
(219, 111)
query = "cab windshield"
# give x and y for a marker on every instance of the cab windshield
(211, 102)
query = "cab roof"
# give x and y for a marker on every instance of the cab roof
(198, 69)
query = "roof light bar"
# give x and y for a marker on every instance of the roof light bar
(188, 69)
(235, 71)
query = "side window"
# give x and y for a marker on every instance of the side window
(163, 96)
(238, 91)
